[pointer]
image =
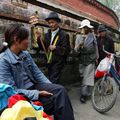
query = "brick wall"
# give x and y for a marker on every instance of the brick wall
(99, 15)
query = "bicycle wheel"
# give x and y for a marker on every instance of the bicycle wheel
(104, 94)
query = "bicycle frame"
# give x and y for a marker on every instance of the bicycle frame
(111, 70)
(115, 74)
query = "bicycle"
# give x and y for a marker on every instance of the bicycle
(105, 90)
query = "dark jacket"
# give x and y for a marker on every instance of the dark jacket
(62, 46)
(89, 51)
(88, 55)
(108, 44)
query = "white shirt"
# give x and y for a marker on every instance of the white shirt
(53, 33)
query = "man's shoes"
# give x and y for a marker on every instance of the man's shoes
(83, 99)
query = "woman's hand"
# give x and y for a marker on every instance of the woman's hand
(45, 93)
(79, 46)
(96, 61)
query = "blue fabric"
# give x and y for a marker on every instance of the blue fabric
(15, 69)
(6, 91)
(90, 40)
(36, 107)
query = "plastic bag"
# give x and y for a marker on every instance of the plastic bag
(102, 67)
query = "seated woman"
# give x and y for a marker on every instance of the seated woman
(18, 69)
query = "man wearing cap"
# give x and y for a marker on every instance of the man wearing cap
(87, 46)
(104, 40)
(58, 47)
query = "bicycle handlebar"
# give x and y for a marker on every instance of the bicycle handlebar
(117, 54)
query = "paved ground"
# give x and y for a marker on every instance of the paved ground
(86, 111)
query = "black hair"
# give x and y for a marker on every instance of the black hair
(88, 30)
(15, 30)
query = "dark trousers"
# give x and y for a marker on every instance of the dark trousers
(59, 104)
(54, 71)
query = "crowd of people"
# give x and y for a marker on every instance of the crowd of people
(18, 69)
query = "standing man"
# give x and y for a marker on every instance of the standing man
(58, 47)
(104, 40)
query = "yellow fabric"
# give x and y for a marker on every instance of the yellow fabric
(50, 54)
(21, 110)
(56, 40)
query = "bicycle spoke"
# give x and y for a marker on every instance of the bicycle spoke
(104, 95)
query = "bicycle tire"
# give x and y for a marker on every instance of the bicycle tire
(106, 108)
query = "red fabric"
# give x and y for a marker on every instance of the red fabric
(37, 103)
(14, 99)
(99, 74)
(119, 70)
(47, 116)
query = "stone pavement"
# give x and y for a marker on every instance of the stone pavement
(86, 111)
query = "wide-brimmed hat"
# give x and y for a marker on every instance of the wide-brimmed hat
(54, 16)
(101, 28)
(85, 23)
